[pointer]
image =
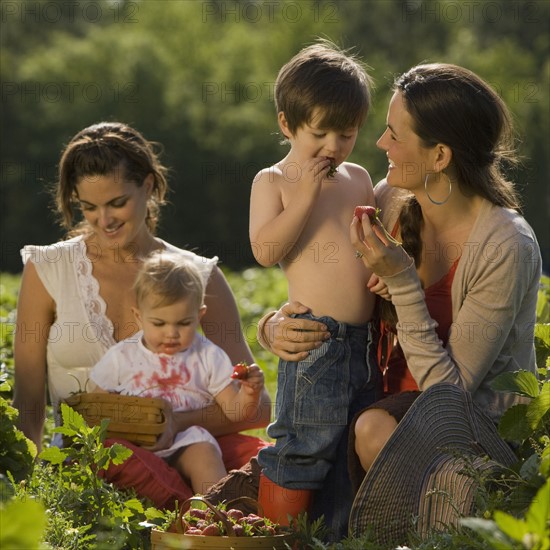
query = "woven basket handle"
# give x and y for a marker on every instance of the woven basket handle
(180, 523)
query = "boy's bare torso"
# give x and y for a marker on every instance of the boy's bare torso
(321, 268)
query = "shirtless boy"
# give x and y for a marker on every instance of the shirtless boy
(300, 212)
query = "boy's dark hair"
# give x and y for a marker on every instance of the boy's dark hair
(324, 77)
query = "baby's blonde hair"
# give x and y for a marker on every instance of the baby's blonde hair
(169, 277)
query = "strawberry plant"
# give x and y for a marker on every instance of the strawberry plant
(83, 511)
(17, 453)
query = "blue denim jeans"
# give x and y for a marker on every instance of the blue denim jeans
(313, 404)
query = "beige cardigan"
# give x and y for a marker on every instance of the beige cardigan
(494, 296)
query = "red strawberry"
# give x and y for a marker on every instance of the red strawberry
(332, 168)
(197, 513)
(240, 371)
(238, 530)
(212, 530)
(193, 531)
(370, 211)
(234, 514)
(373, 214)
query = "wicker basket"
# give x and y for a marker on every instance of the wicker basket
(161, 540)
(139, 420)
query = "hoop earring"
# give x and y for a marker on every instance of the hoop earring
(428, 194)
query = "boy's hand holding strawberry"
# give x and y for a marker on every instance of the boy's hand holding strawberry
(312, 173)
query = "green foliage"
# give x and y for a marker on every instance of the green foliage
(527, 425)
(21, 524)
(507, 531)
(9, 285)
(309, 534)
(17, 453)
(84, 511)
(67, 65)
(543, 304)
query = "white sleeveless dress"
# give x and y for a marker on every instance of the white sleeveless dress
(82, 332)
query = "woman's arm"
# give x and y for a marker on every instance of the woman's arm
(222, 325)
(495, 297)
(35, 315)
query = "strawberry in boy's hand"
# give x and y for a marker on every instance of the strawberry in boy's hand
(332, 168)
(240, 371)
(370, 211)
(373, 214)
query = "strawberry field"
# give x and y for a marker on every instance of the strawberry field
(58, 501)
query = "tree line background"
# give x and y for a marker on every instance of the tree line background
(198, 77)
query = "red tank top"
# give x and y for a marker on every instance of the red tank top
(397, 377)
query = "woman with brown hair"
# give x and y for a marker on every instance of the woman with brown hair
(463, 283)
(77, 296)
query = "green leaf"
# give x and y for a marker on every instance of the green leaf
(522, 382)
(22, 524)
(53, 454)
(488, 530)
(544, 467)
(65, 430)
(71, 417)
(119, 453)
(153, 513)
(31, 447)
(543, 307)
(513, 425)
(514, 528)
(135, 504)
(538, 514)
(539, 407)
(530, 468)
(542, 331)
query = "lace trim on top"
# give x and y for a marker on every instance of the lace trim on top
(94, 304)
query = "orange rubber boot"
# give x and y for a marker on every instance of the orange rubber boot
(278, 503)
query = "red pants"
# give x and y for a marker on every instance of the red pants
(151, 477)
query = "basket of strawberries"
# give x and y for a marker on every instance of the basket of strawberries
(215, 527)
